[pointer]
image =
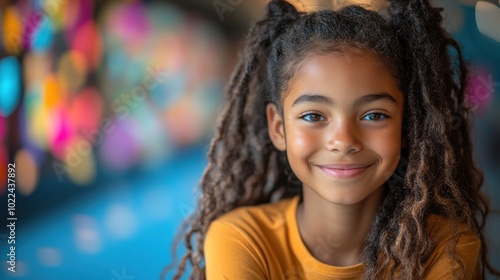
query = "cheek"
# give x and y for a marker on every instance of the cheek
(301, 142)
(388, 146)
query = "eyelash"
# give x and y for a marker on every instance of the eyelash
(305, 115)
(377, 114)
(381, 117)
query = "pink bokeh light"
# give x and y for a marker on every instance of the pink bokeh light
(62, 131)
(480, 90)
(87, 109)
(87, 41)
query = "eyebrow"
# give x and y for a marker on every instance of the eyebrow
(374, 97)
(313, 98)
(316, 98)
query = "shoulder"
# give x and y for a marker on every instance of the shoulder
(236, 242)
(441, 263)
(441, 230)
(254, 219)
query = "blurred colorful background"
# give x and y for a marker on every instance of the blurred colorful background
(107, 108)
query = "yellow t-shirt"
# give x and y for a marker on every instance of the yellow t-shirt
(263, 242)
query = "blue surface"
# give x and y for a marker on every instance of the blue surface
(156, 204)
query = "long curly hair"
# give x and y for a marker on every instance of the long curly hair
(436, 175)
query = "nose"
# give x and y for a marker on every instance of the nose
(343, 138)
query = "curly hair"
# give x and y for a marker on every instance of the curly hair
(436, 174)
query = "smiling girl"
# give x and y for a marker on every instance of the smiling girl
(343, 152)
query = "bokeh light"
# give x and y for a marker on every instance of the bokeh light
(119, 149)
(61, 131)
(86, 235)
(37, 118)
(27, 177)
(76, 14)
(48, 256)
(29, 145)
(72, 71)
(32, 24)
(87, 41)
(51, 93)
(79, 161)
(130, 24)
(12, 30)
(10, 85)
(121, 221)
(86, 110)
(488, 19)
(35, 67)
(43, 36)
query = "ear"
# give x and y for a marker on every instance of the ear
(275, 127)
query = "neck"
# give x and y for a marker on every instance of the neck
(335, 234)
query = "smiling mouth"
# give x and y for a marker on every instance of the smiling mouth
(344, 171)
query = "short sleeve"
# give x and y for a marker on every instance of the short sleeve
(468, 248)
(229, 254)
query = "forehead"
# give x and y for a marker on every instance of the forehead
(342, 75)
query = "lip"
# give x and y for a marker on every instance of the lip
(344, 171)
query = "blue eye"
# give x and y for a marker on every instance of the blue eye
(311, 117)
(374, 117)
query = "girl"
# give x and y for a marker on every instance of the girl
(343, 152)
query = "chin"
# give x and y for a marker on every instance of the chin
(350, 196)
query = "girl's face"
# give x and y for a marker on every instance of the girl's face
(341, 126)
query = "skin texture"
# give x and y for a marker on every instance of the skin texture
(320, 133)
